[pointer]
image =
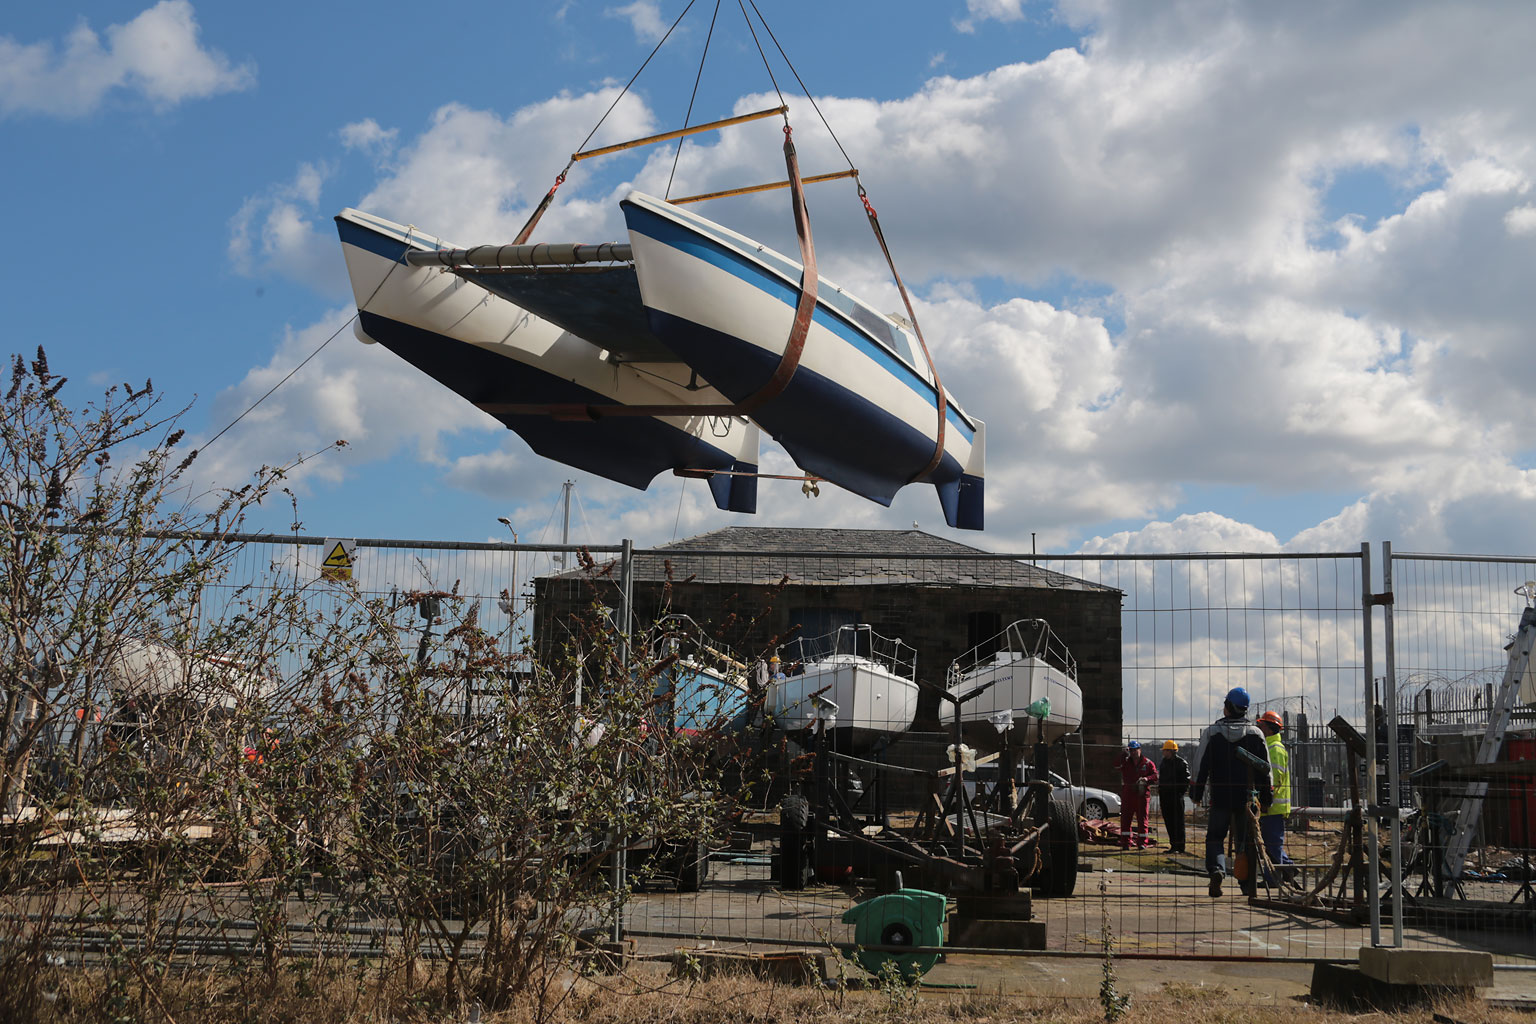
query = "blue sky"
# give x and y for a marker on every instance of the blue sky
(1218, 277)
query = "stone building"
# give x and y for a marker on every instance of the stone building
(753, 588)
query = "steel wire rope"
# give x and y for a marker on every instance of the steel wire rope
(688, 116)
(400, 261)
(638, 71)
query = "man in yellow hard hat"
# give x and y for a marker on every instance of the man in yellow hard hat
(1272, 821)
(1172, 784)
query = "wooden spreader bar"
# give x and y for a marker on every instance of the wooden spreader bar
(769, 187)
(619, 147)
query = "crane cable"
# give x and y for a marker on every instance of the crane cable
(940, 400)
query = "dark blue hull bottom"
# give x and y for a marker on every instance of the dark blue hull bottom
(829, 431)
(628, 449)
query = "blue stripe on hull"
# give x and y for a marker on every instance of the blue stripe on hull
(369, 240)
(830, 431)
(629, 449)
(700, 246)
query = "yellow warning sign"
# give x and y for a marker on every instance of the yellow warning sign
(339, 558)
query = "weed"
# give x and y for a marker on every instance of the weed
(1115, 1002)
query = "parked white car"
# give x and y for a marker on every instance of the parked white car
(1087, 801)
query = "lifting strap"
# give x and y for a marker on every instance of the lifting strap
(538, 211)
(806, 307)
(771, 389)
(942, 402)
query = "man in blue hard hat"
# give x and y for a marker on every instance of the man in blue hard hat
(1235, 781)
(1138, 774)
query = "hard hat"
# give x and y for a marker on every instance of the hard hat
(1170, 745)
(1238, 698)
(1133, 745)
(1273, 718)
(773, 657)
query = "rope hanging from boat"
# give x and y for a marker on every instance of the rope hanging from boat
(938, 388)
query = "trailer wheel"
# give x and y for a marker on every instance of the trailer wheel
(796, 858)
(795, 812)
(1061, 850)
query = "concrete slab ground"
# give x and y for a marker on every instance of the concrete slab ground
(1166, 930)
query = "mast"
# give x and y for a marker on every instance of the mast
(565, 523)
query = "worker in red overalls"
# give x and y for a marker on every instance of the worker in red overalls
(1138, 774)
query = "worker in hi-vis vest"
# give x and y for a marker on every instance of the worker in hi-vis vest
(1272, 822)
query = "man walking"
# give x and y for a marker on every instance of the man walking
(1137, 776)
(1172, 784)
(1233, 781)
(1272, 822)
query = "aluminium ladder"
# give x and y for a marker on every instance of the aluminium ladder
(1493, 737)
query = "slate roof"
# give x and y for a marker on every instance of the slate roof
(763, 555)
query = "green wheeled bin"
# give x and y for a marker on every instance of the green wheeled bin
(906, 917)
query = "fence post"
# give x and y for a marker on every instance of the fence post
(1389, 697)
(625, 623)
(1368, 819)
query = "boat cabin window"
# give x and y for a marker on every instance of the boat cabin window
(881, 327)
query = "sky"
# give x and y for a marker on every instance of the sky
(1219, 276)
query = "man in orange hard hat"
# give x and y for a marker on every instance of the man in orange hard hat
(1272, 821)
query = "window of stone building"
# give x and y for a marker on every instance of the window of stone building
(982, 629)
(817, 626)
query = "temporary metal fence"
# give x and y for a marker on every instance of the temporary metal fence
(1185, 630)
(1159, 640)
(1459, 795)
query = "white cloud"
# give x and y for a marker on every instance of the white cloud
(1176, 167)
(1521, 220)
(989, 10)
(368, 136)
(349, 391)
(473, 176)
(644, 17)
(1202, 531)
(277, 233)
(156, 55)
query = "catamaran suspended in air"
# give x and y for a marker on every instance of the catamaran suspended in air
(672, 350)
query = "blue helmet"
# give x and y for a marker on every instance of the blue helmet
(1133, 745)
(1238, 698)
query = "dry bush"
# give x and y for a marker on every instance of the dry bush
(214, 791)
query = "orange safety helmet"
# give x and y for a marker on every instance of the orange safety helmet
(1273, 718)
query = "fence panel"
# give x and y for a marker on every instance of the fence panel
(831, 799)
(1467, 835)
(1179, 633)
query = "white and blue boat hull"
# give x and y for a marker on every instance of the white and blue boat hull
(856, 412)
(493, 352)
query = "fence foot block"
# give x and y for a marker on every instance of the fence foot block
(995, 933)
(791, 968)
(1440, 968)
(1347, 987)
